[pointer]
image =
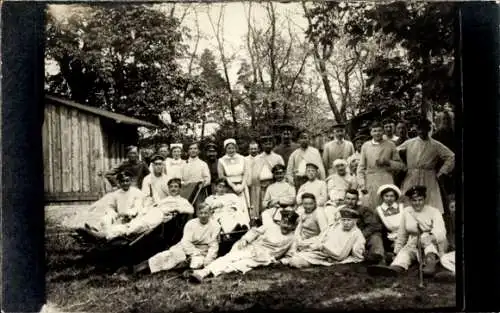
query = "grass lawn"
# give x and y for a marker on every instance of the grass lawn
(73, 286)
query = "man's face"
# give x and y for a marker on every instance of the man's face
(311, 173)
(158, 167)
(304, 140)
(286, 135)
(286, 228)
(358, 144)
(350, 200)
(347, 223)
(401, 130)
(389, 129)
(125, 183)
(204, 215)
(193, 151)
(309, 205)
(253, 149)
(163, 151)
(133, 156)
(339, 133)
(211, 154)
(268, 146)
(417, 202)
(341, 169)
(279, 175)
(377, 133)
(354, 165)
(452, 206)
(423, 132)
(220, 188)
(174, 189)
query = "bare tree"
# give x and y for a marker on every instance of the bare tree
(218, 30)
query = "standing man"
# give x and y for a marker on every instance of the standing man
(164, 151)
(389, 128)
(261, 175)
(137, 169)
(195, 170)
(212, 162)
(253, 185)
(338, 148)
(423, 154)
(287, 146)
(379, 161)
(401, 132)
(296, 168)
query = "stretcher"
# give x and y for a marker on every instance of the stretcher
(128, 250)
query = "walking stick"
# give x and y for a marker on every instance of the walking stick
(421, 259)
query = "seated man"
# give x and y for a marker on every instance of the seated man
(313, 185)
(259, 247)
(418, 220)
(340, 243)
(280, 191)
(339, 182)
(312, 223)
(226, 208)
(155, 184)
(119, 208)
(151, 216)
(369, 225)
(199, 245)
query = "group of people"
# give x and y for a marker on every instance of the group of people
(375, 200)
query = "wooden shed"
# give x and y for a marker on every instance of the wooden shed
(80, 143)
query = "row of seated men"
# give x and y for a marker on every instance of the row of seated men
(297, 229)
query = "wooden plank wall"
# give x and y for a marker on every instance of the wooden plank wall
(73, 153)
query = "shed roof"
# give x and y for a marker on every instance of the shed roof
(119, 118)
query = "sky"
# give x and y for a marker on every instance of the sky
(235, 24)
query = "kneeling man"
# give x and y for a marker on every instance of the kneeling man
(199, 245)
(259, 247)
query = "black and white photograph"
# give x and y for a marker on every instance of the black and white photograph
(234, 156)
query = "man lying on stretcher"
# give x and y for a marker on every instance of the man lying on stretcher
(129, 211)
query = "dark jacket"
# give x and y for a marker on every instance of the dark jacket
(368, 222)
(138, 170)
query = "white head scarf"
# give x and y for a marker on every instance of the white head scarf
(389, 186)
(339, 161)
(229, 141)
(176, 145)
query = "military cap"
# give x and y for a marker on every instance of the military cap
(348, 213)
(416, 191)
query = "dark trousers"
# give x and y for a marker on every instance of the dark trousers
(375, 244)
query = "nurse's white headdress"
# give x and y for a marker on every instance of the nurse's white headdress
(229, 141)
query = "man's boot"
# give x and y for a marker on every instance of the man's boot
(445, 276)
(431, 261)
(141, 267)
(387, 271)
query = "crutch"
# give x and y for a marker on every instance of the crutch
(420, 258)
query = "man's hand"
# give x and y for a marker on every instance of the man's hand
(382, 162)
(427, 239)
(243, 243)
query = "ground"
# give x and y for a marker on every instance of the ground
(73, 286)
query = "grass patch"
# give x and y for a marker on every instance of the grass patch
(73, 285)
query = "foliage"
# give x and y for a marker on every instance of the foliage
(123, 59)
(413, 67)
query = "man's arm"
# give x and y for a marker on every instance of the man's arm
(362, 168)
(205, 174)
(448, 158)
(326, 157)
(111, 175)
(372, 224)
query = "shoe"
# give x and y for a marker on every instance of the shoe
(445, 276)
(431, 261)
(196, 277)
(382, 270)
(372, 258)
(141, 267)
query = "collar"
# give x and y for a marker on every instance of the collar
(339, 141)
(375, 143)
(385, 207)
(193, 159)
